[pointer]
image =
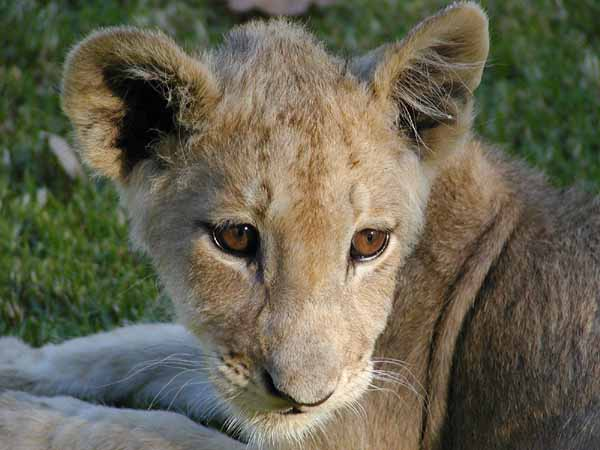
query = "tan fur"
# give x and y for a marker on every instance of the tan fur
(271, 130)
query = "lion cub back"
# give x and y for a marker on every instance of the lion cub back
(528, 354)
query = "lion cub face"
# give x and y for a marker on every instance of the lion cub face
(278, 190)
(288, 247)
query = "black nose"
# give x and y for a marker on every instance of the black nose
(274, 391)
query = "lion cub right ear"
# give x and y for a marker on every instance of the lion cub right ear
(429, 77)
(127, 91)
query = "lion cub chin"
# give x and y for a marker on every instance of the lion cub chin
(327, 227)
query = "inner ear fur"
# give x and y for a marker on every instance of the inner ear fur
(127, 90)
(430, 76)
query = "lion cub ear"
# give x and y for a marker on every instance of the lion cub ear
(429, 77)
(127, 92)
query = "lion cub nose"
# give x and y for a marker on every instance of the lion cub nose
(276, 392)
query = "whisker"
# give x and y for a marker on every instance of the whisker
(142, 367)
(188, 383)
(386, 390)
(157, 396)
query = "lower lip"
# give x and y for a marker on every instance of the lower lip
(292, 411)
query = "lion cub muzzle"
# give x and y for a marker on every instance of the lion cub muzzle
(305, 378)
(296, 405)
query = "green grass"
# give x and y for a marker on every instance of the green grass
(65, 265)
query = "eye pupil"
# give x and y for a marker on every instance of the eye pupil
(368, 244)
(239, 240)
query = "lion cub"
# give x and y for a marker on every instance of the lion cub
(325, 228)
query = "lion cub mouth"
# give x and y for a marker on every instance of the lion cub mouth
(255, 408)
(291, 411)
(236, 434)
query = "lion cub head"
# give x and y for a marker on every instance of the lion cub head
(278, 190)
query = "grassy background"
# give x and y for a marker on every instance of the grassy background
(65, 266)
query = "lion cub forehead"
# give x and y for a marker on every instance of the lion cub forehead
(272, 72)
(283, 96)
(275, 49)
(292, 127)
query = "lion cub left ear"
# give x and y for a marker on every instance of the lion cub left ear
(429, 77)
(132, 96)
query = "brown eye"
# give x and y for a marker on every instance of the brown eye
(368, 244)
(240, 240)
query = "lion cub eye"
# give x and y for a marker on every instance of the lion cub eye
(239, 240)
(368, 244)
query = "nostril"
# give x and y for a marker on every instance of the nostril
(274, 391)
